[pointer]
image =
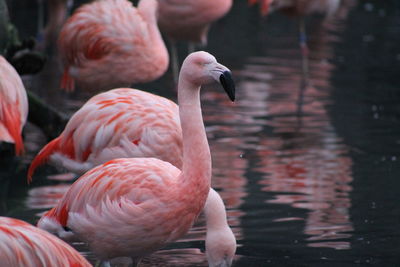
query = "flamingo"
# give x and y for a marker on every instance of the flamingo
(129, 117)
(300, 8)
(108, 44)
(130, 207)
(189, 20)
(13, 106)
(22, 244)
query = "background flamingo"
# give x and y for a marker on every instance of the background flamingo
(189, 21)
(131, 207)
(108, 44)
(13, 106)
(22, 244)
(300, 8)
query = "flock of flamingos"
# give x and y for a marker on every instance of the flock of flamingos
(144, 161)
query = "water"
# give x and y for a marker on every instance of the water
(309, 169)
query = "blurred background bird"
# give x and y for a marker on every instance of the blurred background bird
(299, 9)
(108, 44)
(189, 21)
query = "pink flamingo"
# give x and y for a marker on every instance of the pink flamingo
(300, 8)
(13, 106)
(121, 123)
(130, 207)
(108, 44)
(189, 20)
(22, 244)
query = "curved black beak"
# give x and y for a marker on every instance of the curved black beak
(228, 84)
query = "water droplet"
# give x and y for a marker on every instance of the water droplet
(394, 158)
(374, 108)
(241, 156)
(376, 116)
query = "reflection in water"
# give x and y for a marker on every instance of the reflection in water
(303, 162)
(45, 197)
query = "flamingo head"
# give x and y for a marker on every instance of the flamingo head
(201, 68)
(220, 247)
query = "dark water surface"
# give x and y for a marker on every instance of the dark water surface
(308, 169)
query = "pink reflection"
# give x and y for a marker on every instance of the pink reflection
(303, 162)
(45, 197)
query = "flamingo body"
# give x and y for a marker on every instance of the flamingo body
(123, 198)
(13, 106)
(305, 7)
(120, 123)
(189, 20)
(22, 244)
(132, 206)
(108, 44)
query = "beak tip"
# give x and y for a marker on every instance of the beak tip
(228, 84)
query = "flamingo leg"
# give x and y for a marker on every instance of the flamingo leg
(105, 264)
(191, 47)
(135, 262)
(304, 48)
(40, 27)
(102, 264)
(305, 69)
(174, 60)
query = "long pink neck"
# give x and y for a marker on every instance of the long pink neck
(214, 210)
(196, 170)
